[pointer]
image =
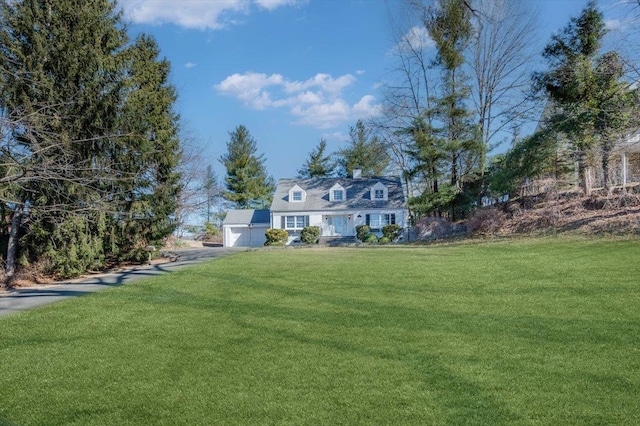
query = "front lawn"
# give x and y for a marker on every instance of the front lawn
(542, 331)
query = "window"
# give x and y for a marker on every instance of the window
(296, 222)
(377, 221)
(379, 192)
(337, 193)
(297, 195)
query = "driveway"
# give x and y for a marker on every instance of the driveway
(26, 298)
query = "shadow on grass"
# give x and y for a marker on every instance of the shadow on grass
(402, 328)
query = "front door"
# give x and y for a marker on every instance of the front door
(338, 225)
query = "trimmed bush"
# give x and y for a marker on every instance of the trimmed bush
(276, 237)
(384, 240)
(362, 231)
(310, 234)
(371, 238)
(392, 232)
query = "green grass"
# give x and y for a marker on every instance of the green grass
(524, 332)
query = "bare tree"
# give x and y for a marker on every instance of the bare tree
(408, 88)
(500, 59)
(200, 188)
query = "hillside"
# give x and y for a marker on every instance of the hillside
(562, 213)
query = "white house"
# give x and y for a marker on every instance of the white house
(626, 167)
(245, 228)
(338, 205)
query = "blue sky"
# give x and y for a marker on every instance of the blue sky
(291, 71)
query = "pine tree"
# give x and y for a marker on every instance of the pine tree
(152, 152)
(453, 133)
(247, 182)
(211, 191)
(365, 152)
(60, 87)
(591, 101)
(92, 131)
(318, 164)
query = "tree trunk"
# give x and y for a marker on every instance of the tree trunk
(584, 174)
(606, 159)
(12, 248)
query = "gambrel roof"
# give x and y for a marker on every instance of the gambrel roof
(358, 194)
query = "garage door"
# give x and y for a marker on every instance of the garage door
(241, 236)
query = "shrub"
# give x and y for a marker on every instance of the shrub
(310, 234)
(370, 238)
(210, 228)
(487, 221)
(276, 237)
(392, 232)
(362, 231)
(384, 240)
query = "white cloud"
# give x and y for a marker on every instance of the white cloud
(317, 101)
(196, 14)
(366, 107)
(614, 24)
(190, 65)
(417, 38)
(273, 4)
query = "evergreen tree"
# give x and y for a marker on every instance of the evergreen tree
(247, 182)
(93, 127)
(318, 164)
(428, 168)
(365, 152)
(60, 82)
(453, 131)
(151, 152)
(591, 103)
(211, 191)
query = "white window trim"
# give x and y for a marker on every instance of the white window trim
(386, 220)
(299, 222)
(337, 188)
(379, 187)
(294, 190)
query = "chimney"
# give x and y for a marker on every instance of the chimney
(357, 173)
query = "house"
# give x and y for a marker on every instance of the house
(626, 162)
(338, 205)
(245, 228)
(623, 161)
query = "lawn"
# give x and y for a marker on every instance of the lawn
(519, 332)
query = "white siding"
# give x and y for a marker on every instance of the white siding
(243, 236)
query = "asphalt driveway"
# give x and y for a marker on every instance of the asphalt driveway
(26, 298)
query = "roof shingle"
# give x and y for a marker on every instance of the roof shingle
(358, 194)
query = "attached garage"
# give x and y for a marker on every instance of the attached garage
(245, 228)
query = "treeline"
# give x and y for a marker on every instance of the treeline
(466, 83)
(89, 144)
(248, 185)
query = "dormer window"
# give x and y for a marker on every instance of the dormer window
(337, 193)
(297, 195)
(379, 192)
